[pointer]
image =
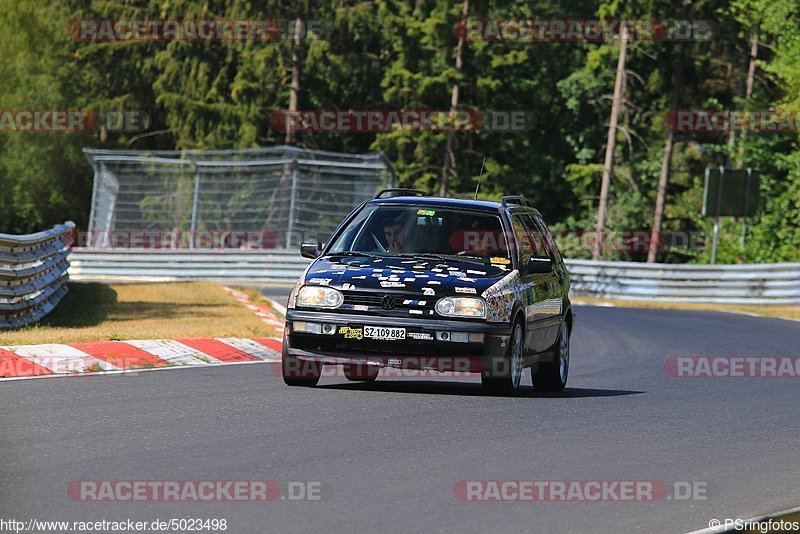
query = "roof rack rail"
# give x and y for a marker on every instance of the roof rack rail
(515, 199)
(415, 192)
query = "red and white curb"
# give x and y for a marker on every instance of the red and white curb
(97, 357)
(263, 312)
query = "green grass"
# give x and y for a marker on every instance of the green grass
(99, 312)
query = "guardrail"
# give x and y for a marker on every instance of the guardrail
(767, 283)
(267, 266)
(777, 283)
(33, 274)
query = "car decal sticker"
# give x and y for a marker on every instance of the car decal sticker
(470, 290)
(320, 281)
(501, 296)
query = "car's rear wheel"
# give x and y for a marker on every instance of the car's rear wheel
(552, 376)
(506, 377)
(361, 372)
(298, 372)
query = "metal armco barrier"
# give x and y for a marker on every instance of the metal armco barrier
(33, 274)
(754, 284)
(765, 283)
(268, 266)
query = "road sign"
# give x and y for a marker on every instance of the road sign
(731, 192)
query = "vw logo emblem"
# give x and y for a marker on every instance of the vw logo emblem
(388, 302)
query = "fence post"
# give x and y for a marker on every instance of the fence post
(195, 204)
(292, 200)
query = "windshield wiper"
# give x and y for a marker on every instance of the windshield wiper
(352, 253)
(443, 257)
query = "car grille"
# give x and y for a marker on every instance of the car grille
(403, 302)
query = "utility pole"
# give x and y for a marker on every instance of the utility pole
(608, 164)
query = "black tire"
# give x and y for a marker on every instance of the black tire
(552, 376)
(500, 379)
(361, 372)
(298, 372)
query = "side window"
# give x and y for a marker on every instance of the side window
(552, 247)
(522, 238)
(537, 236)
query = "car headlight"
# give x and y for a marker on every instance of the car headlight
(319, 297)
(462, 307)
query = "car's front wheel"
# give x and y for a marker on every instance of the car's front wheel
(505, 377)
(298, 372)
(552, 376)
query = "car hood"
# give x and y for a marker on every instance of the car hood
(425, 277)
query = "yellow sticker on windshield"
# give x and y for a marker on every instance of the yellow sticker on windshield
(502, 261)
(426, 213)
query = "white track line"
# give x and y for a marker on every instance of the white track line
(121, 372)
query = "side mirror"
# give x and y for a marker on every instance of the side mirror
(310, 249)
(540, 265)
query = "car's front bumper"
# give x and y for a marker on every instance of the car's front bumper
(424, 346)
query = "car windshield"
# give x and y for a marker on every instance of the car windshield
(423, 231)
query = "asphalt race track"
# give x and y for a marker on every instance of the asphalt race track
(388, 455)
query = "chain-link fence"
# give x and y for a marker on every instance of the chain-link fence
(272, 197)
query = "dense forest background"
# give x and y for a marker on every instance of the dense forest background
(402, 54)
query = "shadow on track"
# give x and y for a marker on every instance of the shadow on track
(471, 389)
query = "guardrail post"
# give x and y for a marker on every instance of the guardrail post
(716, 216)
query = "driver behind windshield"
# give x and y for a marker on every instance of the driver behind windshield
(394, 230)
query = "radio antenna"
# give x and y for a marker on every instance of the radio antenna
(479, 178)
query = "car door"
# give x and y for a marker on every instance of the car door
(554, 281)
(535, 286)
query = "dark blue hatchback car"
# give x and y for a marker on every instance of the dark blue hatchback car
(426, 283)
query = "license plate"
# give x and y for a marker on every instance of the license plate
(383, 333)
